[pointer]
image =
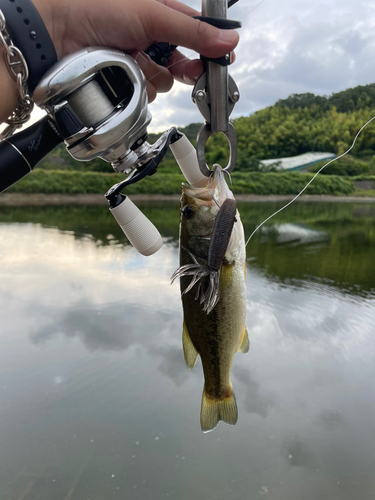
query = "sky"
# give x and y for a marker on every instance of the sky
(286, 47)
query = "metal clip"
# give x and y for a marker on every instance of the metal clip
(215, 94)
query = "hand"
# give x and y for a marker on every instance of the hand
(132, 26)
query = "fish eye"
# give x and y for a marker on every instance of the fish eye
(188, 212)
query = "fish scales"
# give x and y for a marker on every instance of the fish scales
(216, 336)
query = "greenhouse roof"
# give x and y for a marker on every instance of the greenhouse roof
(300, 162)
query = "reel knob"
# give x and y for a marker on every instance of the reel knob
(139, 230)
(186, 157)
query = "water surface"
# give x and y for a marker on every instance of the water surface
(95, 399)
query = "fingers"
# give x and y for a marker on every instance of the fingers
(151, 92)
(159, 79)
(167, 24)
(184, 69)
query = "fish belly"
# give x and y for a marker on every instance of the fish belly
(217, 336)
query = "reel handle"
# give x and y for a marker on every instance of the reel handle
(139, 230)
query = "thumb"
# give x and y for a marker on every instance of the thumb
(177, 28)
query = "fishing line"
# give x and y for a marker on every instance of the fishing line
(310, 181)
(212, 192)
(251, 10)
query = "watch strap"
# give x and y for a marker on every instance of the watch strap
(29, 34)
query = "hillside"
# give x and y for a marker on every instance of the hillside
(299, 124)
(345, 101)
(304, 123)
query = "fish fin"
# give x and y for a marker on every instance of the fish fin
(213, 410)
(245, 343)
(190, 352)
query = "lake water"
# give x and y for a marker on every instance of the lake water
(95, 399)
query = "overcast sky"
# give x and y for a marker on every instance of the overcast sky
(286, 47)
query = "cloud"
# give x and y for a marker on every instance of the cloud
(287, 47)
(255, 401)
(296, 453)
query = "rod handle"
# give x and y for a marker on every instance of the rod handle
(20, 153)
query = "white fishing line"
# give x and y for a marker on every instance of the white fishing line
(81, 103)
(257, 5)
(310, 181)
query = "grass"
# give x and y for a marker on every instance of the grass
(77, 182)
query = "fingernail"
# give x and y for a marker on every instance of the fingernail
(142, 61)
(196, 77)
(191, 80)
(228, 36)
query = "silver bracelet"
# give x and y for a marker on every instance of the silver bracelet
(17, 66)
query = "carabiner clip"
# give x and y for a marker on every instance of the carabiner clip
(203, 134)
(216, 93)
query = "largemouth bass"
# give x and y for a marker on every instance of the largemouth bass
(212, 280)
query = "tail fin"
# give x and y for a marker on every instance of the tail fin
(213, 410)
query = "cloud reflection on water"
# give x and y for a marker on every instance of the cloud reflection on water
(105, 323)
(254, 401)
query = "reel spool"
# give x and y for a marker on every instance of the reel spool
(98, 100)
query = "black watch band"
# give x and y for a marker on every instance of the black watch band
(29, 34)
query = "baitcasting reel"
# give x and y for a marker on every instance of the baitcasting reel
(96, 102)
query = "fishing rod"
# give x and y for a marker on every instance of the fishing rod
(96, 103)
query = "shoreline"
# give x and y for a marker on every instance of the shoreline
(40, 199)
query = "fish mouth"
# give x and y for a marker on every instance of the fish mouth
(216, 190)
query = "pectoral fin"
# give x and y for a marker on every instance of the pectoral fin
(244, 344)
(190, 351)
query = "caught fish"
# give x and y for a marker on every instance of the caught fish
(213, 290)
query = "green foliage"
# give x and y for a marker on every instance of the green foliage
(304, 123)
(347, 165)
(306, 100)
(348, 100)
(289, 183)
(278, 132)
(293, 126)
(70, 182)
(247, 163)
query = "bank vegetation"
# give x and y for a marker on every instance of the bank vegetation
(299, 124)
